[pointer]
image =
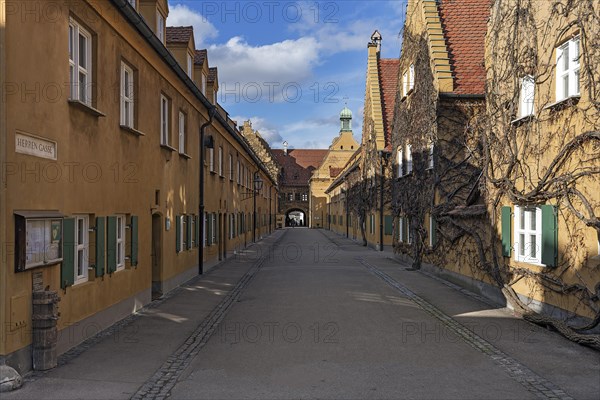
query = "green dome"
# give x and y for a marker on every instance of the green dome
(346, 113)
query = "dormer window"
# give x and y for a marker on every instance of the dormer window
(190, 65)
(215, 96)
(160, 26)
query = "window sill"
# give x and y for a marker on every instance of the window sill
(167, 147)
(131, 130)
(185, 155)
(566, 102)
(213, 172)
(80, 105)
(522, 120)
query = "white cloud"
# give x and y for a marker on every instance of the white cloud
(182, 15)
(280, 62)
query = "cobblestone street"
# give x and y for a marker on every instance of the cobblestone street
(308, 314)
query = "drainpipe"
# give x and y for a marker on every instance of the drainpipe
(211, 113)
(382, 182)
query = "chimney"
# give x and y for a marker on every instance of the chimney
(285, 145)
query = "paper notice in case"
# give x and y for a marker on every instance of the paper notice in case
(35, 241)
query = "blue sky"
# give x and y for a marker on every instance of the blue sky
(291, 66)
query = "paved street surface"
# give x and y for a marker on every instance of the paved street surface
(309, 314)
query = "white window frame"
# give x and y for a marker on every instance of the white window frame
(120, 236)
(211, 159)
(127, 95)
(164, 120)
(190, 65)
(78, 91)
(411, 78)
(409, 159)
(430, 159)
(220, 160)
(527, 96)
(160, 26)
(399, 160)
(81, 246)
(404, 83)
(182, 135)
(567, 69)
(527, 250)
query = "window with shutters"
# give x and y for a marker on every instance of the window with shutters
(204, 231)
(239, 173)
(182, 232)
(80, 63)
(528, 234)
(231, 170)
(127, 93)
(567, 69)
(120, 235)
(214, 228)
(81, 247)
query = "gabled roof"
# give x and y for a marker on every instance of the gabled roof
(298, 165)
(388, 83)
(212, 74)
(464, 24)
(179, 34)
(200, 56)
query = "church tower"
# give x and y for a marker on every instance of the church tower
(346, 120)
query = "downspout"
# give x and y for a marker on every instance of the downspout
(211, 114)
(382, 181)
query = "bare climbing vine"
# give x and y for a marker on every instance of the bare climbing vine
(485, 158)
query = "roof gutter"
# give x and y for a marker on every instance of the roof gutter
(136, 19)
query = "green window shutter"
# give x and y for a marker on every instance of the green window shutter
(190, 219)
(134, 240)
(506, 231)
(177, 233)
(100, 245)
(209, 230)
(387, 224)
(67, 269)
(549, 235)
(197, 231)
(111, 244)
(433, 232)
(215, 228)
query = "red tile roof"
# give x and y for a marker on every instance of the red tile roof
(200, 56)
(388, 82)
(465, 24)
(179, 34)
(298, 165)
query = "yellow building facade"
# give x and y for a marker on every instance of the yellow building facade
(100, 152)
